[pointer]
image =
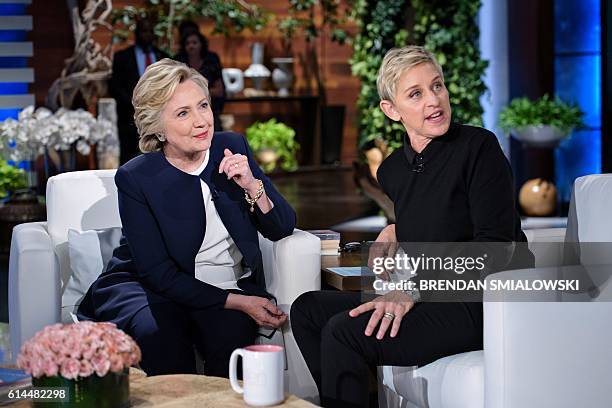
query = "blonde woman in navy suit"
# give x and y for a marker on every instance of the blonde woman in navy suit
(189, 271)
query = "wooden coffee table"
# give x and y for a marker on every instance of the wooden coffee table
(186, 391)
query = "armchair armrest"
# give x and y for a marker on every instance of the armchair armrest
(292, 266)
(34, 283)
(546, 245)
(540, 352)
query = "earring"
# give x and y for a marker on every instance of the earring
(161, 137)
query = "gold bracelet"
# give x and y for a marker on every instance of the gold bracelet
(252, 201)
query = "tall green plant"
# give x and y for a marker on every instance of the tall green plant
(448, 28)
(380, 29)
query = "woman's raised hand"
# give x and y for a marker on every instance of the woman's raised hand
(236, 167)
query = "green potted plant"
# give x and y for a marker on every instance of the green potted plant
(272, 142)
(11, 179)
(543, 122)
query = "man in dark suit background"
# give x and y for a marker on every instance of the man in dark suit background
(128, 66)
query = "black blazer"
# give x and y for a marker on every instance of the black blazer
(163, 217)
(124, 78)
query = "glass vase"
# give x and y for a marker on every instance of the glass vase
(110, 391)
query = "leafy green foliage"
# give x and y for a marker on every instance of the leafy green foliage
(229, 16)
(11, 179)
(555, 112)
(379, 25)
(275, 136)
(302, 18)
(447, 28)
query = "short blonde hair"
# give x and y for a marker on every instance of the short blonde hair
(398, 60)
(153, 91)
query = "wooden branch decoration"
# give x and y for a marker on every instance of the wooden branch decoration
(87, 70)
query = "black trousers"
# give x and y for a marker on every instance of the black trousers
(339, 355)
(168, 333)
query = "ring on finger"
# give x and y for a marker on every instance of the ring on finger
(389, 315)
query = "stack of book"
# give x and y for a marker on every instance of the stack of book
(10, 380)
(330, 241)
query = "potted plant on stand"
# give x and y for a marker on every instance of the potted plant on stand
(11, 179)
(273, 142)
(541, 124)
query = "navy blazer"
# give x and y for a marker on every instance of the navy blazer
(164, 222)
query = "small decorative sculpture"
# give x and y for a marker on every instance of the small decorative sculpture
(538, 197)
(257, 72)
(282, 75)
(233, 80)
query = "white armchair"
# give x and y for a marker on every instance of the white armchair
(536, 354)
(39, 265)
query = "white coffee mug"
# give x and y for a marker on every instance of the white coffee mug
(262, 374)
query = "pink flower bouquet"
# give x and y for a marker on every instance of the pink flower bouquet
(78, 350)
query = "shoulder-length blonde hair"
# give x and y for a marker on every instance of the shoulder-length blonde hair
(153, 91)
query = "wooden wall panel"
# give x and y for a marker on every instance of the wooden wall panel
(53, 43)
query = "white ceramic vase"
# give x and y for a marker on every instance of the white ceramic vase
(282, 76)
(257, 72)
(539, 136)
(233, 80)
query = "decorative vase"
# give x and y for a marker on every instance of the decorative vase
(108, 157)
(282, 77)
(267, 158)
(539, 136)
(257, 72)
(538, 198)
(233, 80)
(374, 157)
(110, 391)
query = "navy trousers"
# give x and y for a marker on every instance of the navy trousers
(340, 356)
(167, 334)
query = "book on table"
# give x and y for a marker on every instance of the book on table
(330, 241)
(12, 379)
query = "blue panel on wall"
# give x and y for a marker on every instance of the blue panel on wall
(13, 35)
(577, 26)
(13, 9)
(13, 88)
(9, 113)
(13, 62)
(578, 79)
(577, 156)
